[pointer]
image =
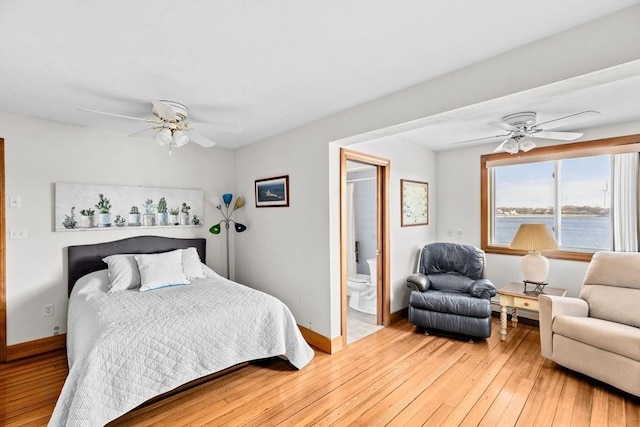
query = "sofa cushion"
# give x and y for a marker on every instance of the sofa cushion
(450, 282)
(613, 304)
(449, 302)
(610, 336)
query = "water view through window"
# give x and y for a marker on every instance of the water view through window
(528, 193)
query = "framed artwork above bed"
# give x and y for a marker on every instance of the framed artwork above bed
(83, 207)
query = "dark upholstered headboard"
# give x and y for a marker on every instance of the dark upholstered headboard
(85, 259)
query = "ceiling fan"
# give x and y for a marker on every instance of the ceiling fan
(522, 129)
(170, 125)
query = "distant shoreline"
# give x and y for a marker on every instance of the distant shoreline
(545, 215)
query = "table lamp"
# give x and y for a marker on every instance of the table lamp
(534, 238)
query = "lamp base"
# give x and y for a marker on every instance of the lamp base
(539, 287)
(535, 267)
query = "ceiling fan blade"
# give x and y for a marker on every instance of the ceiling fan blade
(496, 138)
(163, 110)
(145, 133)
(117, 115)
(569, 120)
(203, 141)
(504, 126)
(564, 136)
(222, 127)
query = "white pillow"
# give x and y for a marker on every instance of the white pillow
(123, 272)
(161, 270)
(191, 264)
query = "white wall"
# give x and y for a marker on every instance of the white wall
(40, 153)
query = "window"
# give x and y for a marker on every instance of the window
(567, 187)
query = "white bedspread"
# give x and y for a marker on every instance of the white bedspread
(127, 347)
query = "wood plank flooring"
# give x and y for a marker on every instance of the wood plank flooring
(394, 377)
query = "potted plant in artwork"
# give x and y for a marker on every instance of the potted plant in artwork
(162, 214)
(87, 218)
(70, 220)
(184, 214)
(119, 221)
(195, 220)
(104, 208)
(173, 216)
(134, 217)
(149, 217)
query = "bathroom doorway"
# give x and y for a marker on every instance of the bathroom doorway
(364, 266)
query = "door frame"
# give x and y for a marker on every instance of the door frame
(3, 259)
(383, 307)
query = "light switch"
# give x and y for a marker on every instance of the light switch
(15, 202)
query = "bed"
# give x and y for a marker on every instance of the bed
(126, 346)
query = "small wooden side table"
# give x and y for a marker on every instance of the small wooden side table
(513, 295)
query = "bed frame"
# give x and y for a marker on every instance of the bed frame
(85, 259)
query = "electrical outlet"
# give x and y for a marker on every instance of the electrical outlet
(299, 301)
(47, 310)
(17, 233)
(459, 232)
(450, 232)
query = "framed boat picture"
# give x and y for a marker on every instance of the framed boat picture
(272, 192)
(414, 203)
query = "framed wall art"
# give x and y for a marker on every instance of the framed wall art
(414, 203)
(272, 192)
(85, 207)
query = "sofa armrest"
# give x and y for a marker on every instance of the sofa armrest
(483, 288)
(552, 306)
(418, 282)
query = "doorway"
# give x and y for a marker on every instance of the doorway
(364, 244)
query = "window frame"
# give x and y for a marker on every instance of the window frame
(621, 144)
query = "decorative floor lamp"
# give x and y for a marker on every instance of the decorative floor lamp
(535, 267)
(215, 229)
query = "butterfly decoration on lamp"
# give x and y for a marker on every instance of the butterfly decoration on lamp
(226, 214)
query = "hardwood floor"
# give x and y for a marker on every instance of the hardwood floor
(394, 377)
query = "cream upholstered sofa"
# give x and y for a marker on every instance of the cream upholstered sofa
(598, 334)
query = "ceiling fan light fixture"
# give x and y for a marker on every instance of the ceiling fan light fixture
(164, 137)
(511, 146)
(180, 138)
(527, 144)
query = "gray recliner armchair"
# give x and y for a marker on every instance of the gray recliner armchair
(450, 292)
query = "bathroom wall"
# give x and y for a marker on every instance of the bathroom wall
(364, 205)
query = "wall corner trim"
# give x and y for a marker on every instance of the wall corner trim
(328, 345)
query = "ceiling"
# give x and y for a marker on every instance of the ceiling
(271, 66)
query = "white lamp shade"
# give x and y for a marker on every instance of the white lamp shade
(180, 138)
(215, 201)
(527, 144)
(164, 137)
(511, 146)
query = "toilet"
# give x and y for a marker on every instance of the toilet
(362, 289)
